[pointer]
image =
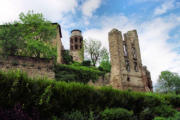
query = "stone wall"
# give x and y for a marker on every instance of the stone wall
(58, 43)
(32, 66)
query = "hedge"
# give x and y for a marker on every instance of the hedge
(117, 114)
(76, 73)
(53, 98)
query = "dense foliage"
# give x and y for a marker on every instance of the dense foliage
(67, 58)
(76, 73)
(168, 82)
(117, 114)
(52, 98)
(30, 36)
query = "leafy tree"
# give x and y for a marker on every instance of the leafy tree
(67, 58)
(94, 50)
(11, 38)
(168, 82)
(30, 36)
(105, 63)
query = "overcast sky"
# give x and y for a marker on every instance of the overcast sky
(156, 21)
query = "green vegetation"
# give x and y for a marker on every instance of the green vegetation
(117, 114)
(76, 73)
(67, 58)
(168, 82)
(30, 36)
(95, 51)
(51, 98)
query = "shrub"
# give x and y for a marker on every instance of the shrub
(162, 111)
(86, 63)
(53, 98)
(67, 58)
(75, 115)
(175, 117)
(117, 114)
(76, 73)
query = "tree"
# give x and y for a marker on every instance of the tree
(11, 38)
(168, 82)
(105, 63)
(94, 50)
(30, 36)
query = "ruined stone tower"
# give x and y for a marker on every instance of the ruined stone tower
(127, 71)
(76, 45)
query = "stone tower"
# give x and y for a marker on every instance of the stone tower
(76, 45)
(127, 71)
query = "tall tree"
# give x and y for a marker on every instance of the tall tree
(30, 36)
(94, 50)
(168, 82)
(105, 62)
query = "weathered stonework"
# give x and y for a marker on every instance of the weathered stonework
(58, 43)
(76, 45)
(127, 71)
(32, 66)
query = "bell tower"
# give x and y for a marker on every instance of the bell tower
(76, 45)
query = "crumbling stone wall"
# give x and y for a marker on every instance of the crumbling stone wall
(32, 66)
(127, 71)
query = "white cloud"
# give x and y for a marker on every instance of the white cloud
(52, 9)
(167, 5)
(157, 54)
(89, 6)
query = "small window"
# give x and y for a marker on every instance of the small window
(135, 66)
(80, 46)
(75, 39)
(127, 66)
(128, 78)
(134, 52)
(76, 47)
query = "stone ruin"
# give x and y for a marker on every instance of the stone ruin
(127, 71)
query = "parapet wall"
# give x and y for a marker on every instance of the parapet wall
(32, 66)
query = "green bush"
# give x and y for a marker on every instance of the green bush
(117, 114)
(175, 117)
(75, 115)
(162, 111)
(76, 73)
(86, 63)
(67, 58)
(159, 118)
(53, 98)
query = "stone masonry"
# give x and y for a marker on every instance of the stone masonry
(127, 71)
(58, 43)
(76, 45)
